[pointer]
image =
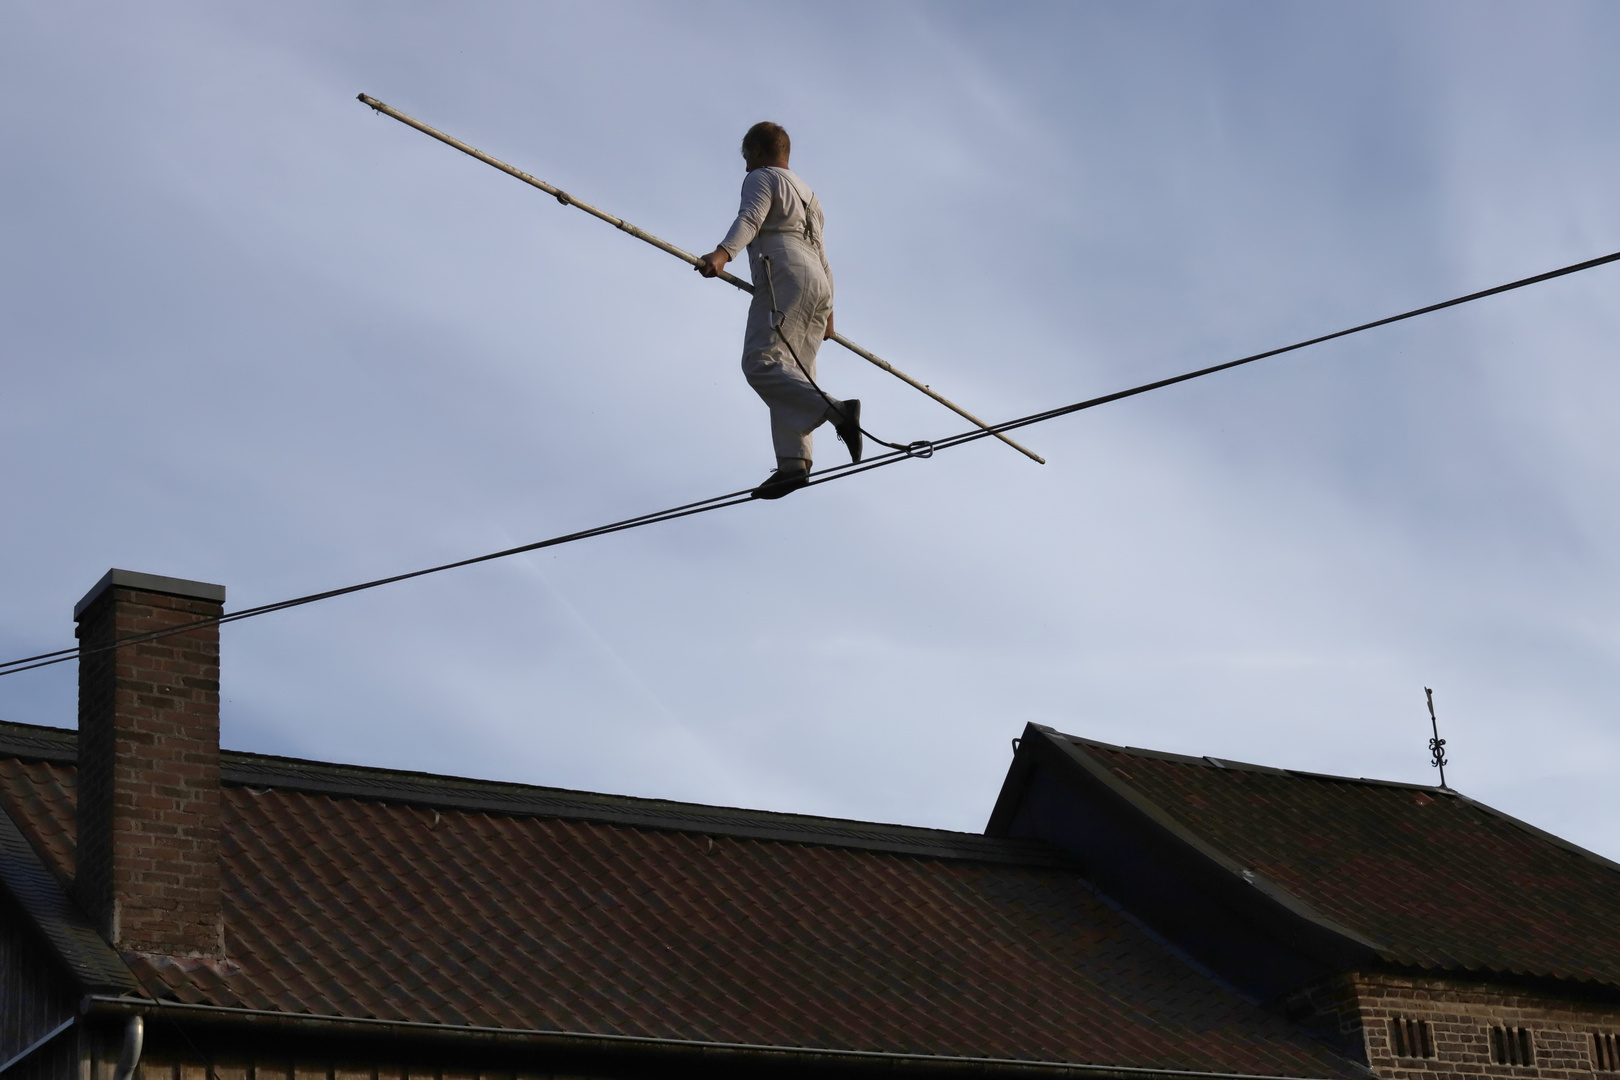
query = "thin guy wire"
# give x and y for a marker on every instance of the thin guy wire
(837, 472)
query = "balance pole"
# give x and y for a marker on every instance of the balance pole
(685, 256)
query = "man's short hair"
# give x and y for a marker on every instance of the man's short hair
(766, 139)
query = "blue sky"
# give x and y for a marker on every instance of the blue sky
(254, 334)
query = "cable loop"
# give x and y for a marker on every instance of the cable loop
(778, 317)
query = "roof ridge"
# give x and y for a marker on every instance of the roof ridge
(442, 791)
(1245, 766)
(38, 741)
(271, 760)
(1305, 774)
(517, 799)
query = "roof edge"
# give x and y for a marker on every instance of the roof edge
(39, 743)
(68, 932)
(525, 800)
(980, 1066)
(1540, 834)
(439, 791)
(1429, 789)
(1246, 766)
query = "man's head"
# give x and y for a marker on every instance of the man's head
(766, 144)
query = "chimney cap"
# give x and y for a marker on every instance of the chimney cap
(134, 579)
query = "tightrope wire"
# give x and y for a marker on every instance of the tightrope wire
(837, 472)
(28, 663)
(1158, 384)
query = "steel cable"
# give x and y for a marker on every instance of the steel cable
(822, 476)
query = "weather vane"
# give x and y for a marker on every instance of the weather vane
(1437, 745)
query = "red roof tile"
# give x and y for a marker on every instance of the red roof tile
(362, 906)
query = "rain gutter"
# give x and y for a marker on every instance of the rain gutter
(712, 1053)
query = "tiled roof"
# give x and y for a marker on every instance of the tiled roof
(27, 862)
(366, 893)
(1431, 878)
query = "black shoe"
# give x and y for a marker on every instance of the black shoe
(849, 429)
(780, 483)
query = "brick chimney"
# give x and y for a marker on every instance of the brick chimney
(149, 801)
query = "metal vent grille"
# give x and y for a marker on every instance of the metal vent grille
(1605, 1052)
(1512, 1046)
(1410, 1038)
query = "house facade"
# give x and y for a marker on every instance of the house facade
(169, 908)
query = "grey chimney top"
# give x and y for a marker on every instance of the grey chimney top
(133, 579)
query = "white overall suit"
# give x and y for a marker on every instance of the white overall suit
(781, 219)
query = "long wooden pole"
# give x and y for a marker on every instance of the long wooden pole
(685, 256)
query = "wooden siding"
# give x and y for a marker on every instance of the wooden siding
(34, 999)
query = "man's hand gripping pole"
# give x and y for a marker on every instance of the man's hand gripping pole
(685, 256)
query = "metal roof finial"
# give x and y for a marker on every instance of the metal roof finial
(1437, 745)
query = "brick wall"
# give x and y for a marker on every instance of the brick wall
(149, 799)
(1331, 1011)
(1451, 1021)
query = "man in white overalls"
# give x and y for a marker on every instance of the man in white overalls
(780, 223)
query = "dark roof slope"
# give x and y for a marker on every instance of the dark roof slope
(1430, 878)
(664, 920)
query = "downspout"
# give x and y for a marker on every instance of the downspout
(129, 1058)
